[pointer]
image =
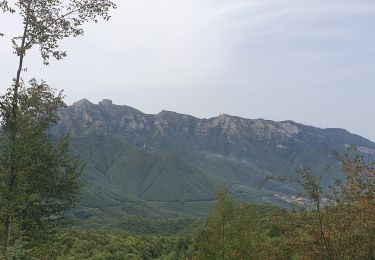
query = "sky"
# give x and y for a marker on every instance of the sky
(310, 61)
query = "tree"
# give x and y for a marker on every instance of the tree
(28, 111)
(47, 183)
(235, 231)
(213, 241)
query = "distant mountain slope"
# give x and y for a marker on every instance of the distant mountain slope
(170, 157)
(160, 178)
(113, 162)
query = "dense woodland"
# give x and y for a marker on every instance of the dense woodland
(335, 224)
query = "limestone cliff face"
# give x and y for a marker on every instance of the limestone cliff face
(85, 116)
(169, 129)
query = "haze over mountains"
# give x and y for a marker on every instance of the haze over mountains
(171, 164)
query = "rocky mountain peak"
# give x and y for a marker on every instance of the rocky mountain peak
(83, 103)
(166, 113)
(106, 102)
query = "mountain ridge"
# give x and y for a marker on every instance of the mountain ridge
(108, 103)
(203, 154)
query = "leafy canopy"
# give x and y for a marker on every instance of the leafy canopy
(48, 22)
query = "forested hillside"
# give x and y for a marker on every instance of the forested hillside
(334, 224)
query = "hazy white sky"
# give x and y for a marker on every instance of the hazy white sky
(311, 61)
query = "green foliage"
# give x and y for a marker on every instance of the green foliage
(334, 224)
(236, 231)
(137, 225)
(78, 244)
(44, 184)
(340, 222)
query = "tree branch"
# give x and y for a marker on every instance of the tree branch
(29, 43)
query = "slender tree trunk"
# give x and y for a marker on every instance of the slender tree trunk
(324, 243)
(13, 131)
(223, 240)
